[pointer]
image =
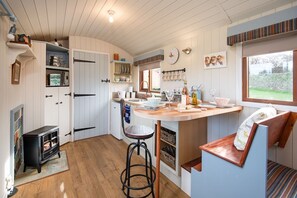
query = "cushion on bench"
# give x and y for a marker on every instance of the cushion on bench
(281, 181)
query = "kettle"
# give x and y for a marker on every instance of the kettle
(121, 94)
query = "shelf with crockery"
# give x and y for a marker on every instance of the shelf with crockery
(121, 72)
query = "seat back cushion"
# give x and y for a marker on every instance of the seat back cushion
(244, 129)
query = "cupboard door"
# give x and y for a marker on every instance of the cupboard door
(64, 114)
(115, 120)
(51, 109)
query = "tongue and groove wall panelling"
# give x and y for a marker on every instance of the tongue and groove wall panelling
(91, 44)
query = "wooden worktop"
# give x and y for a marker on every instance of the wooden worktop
(165, 114)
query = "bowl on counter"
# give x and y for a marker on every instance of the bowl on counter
(153, 101)
(221, 102)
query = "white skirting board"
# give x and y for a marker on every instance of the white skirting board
(186, 181)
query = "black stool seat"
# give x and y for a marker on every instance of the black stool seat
(138, 132)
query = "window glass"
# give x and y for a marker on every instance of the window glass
(270, 76)
(146, 78)
(156, 76)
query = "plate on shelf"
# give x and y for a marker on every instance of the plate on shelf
(209, 106)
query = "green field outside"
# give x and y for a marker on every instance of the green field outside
(270, 94)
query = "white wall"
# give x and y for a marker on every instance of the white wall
(223, 79)
(29, 92)
(91, 44)
(227, 82)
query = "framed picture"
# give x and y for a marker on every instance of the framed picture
(215, 60)
(16, 72)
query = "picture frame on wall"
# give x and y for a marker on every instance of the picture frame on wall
(16, 72)
(215, 60)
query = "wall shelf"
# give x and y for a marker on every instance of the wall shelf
(57, 68)
(23, 51)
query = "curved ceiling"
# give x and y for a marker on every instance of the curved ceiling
(139, 25)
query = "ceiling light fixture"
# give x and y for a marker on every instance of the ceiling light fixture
(111, 13)
(187, 50)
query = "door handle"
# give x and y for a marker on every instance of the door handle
(57, 103)
(106, 80)
(68, 94)
(61, 102)
(48, 96)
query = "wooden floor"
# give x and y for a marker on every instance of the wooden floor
(95, 165)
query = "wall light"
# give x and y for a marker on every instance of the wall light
(187, 50)
(11, 33)
(111, 13)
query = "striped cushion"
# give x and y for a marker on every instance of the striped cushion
(281, 181)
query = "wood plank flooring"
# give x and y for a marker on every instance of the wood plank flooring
(95, 165)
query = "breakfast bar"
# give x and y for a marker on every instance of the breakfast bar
(165, 114)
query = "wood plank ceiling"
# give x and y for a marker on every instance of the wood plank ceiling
(139, 26)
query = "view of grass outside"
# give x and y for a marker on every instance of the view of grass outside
(270, 94)
(271, 76)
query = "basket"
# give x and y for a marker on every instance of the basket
(168, 158)
(168, 136)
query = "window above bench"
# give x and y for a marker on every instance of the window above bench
(269, 72)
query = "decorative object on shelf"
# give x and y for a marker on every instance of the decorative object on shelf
(56, 61)
(54, 79)
(115, 56)
(111, 14)
(11, 33)
(173, 56)
(123, 59)
(23, 39)
(174, 75)
(187, 51)
(16, 72)
(215, 60)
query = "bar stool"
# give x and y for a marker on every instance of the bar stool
(137, 132)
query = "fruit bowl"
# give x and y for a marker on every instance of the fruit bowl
(153, 101)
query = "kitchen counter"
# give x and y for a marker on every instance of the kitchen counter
(131, 101)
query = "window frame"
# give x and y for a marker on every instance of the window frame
(245, 85)
(149, 90)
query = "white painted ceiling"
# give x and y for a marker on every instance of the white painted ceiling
(139, 26)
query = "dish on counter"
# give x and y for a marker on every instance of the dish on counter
(209, 106)
(227, 106)
(150, 106)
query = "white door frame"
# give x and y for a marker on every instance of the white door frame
(72, 87)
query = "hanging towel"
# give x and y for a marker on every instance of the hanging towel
(127, 113)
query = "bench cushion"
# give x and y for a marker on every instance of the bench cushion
(281, 181)
(245, 128)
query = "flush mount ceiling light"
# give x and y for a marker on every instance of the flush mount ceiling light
(110, 18)
(187, 50)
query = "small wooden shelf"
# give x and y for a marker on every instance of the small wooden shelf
(24, 51)
(55, 48)
(166, 142)
(195, 163)
(57, 68)
(122, 74)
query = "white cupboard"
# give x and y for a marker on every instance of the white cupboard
(57, 110)
(115, 120)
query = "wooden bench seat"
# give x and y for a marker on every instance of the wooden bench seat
(228, 172)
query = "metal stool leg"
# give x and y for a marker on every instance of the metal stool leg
(128, 149)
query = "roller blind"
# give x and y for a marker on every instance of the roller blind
(277, 44)
(149, 66)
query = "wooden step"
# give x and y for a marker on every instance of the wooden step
(195, 163)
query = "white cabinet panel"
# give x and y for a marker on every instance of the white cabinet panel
(57, 110)
(115, 120)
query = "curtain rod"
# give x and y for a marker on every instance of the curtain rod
(8, 12)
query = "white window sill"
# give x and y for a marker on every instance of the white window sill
(259, 105)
